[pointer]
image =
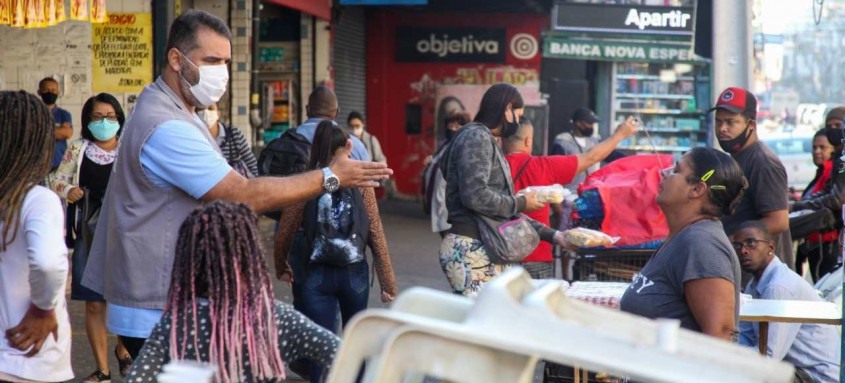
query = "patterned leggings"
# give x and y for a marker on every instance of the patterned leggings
(466, 265)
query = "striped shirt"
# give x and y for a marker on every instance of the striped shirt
(235, 148)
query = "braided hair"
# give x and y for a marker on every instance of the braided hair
(26, 147)
(219, 257)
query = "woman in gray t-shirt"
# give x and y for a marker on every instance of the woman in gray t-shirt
(694, 276)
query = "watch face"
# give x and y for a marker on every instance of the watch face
(332, 183)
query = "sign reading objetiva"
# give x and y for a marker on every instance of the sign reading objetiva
(476, 45)
(627, 19)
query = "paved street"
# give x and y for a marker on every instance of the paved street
(413, 248)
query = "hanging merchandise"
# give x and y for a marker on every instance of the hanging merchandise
(17, 13)
(34, 14)
(98, 11)
(79, 10)
(5, 12)
(59, 9)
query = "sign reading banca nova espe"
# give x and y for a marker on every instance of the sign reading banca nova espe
(615, 51)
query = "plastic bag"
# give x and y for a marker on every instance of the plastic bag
(628, 188)
(548, 194)
(582, 237)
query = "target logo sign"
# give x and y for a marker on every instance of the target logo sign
(524, 46)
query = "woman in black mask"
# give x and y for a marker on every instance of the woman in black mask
(478, 183)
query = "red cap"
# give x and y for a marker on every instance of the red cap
(737, 100)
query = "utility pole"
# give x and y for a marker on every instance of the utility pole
(731, 44)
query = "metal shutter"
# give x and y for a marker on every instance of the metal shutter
(350, 62)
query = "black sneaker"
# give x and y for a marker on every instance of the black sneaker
(98, 377)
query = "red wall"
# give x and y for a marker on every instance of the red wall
(392, 85)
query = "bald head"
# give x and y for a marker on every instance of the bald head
(521, 140)
(322, 103)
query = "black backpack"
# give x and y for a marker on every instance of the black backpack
(332, 241)
(284, 156)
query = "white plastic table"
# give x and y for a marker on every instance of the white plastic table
(767, 310)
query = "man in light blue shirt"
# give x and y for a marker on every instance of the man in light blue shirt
(168, 165)
(322, 105)
(812, 348)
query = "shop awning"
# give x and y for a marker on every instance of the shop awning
(317, 8)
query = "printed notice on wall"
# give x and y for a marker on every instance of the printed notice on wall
(123, 53)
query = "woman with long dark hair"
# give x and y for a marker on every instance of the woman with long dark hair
(478, 183)
(33, 255)
(221, 308)
(85, 169)
(694, 276)
(337, 226)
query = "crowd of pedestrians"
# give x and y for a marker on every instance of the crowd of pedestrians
(202, 290)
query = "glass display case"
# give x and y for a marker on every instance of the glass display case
(670, 99)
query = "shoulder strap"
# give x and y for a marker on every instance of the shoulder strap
(522, 169)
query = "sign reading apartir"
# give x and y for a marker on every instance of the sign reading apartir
(637, 19)
(616, 51)
(475, 45)
(123, 50)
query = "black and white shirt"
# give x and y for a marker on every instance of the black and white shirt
(299, 337)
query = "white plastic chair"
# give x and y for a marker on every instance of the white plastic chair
(507, 336)
(367, 332)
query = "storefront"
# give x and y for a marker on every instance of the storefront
(421, 65)
(640, 63)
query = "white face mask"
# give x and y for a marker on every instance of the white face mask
(210, 117)
(212, 83)
(358, 131)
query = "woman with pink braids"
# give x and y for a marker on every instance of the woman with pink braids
(221, 308)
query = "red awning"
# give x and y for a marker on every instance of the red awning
(318, 8)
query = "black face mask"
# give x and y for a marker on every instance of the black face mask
(736, 144)
(449, 134)
(49, 98)
(510, 128)
(586, 132)
(834, 136)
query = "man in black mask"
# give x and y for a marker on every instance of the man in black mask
(766, 197)
(578, 141)
(48, 89)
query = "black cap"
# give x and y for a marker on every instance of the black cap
(584, 114)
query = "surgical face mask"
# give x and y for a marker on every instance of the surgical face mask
(211, 85)
(736, 144)
(49, 98)
(358, 130)
(104, 129)
(210, 117)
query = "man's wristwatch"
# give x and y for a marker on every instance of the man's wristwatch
(330, 181)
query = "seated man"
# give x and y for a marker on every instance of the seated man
(812, 348)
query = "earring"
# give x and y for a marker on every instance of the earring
(771, 253)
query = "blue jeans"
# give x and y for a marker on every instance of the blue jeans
(326, 289)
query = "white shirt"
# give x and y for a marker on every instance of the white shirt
(33, 270)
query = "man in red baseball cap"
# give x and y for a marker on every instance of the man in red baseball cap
(766, 197)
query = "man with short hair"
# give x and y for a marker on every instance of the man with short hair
(169, 165)
(766, 197)
(812, 348)
(528, 170)
(48, 89)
